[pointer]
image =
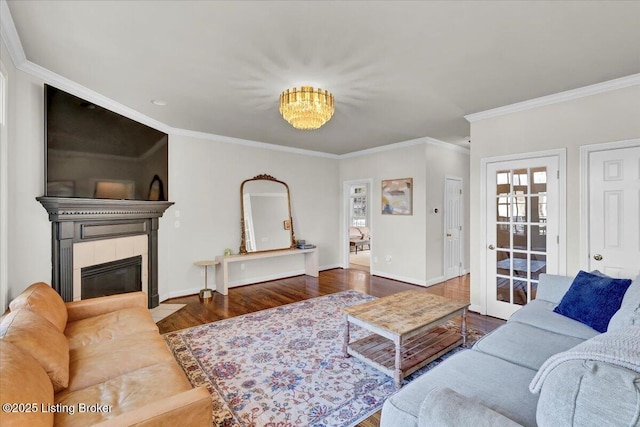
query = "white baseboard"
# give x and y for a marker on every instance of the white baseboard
(465, 271)
(399, 278)
(252, 280)
(476, 309)
(180, 293)
(329, 267)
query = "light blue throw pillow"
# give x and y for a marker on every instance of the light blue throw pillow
(629, 313)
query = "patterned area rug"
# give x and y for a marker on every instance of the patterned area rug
(284, 367)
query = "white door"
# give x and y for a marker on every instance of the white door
(522, 230)
(452, 227)
(614, 212)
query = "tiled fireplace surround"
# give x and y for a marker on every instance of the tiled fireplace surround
(94, 231)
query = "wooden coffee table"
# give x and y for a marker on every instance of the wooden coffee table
(408, 331)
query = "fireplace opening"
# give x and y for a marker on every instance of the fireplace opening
(110, 278)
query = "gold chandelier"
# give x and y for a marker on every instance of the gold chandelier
(306, 108)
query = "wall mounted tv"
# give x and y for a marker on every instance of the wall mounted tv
(92, 152)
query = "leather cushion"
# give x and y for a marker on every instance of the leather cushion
(109, 326)
(96, 363)
(36, 336)
(42, 299)
(125, 393)
(23, 381)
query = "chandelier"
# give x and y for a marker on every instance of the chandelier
(306, 108)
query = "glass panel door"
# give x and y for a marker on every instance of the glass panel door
(517, 232)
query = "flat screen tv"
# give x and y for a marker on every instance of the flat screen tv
(92, 152)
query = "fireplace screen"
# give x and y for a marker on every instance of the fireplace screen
(116, 277)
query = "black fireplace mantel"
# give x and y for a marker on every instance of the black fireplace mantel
(75, 220)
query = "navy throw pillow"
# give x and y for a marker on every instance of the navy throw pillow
(593, 299)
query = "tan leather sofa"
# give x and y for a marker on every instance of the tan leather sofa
(96, 361)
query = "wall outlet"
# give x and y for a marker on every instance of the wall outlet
(375, 259)
(388, 259)
(177, 213)
(242, 266)
(176, 224)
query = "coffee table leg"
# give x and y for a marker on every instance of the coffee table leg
(463, 329)
(398, 373)
(345, 345)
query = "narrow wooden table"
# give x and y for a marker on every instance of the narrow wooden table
(409, 331)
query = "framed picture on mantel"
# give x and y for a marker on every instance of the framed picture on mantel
(397, 196)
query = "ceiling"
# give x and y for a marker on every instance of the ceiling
(398, 70)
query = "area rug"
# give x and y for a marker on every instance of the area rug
(284, 367)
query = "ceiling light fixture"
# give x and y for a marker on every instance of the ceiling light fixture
(306, 108)
(159, 102)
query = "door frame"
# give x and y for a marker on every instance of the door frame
(4, 188)
(444, 226)
(585, 190)
(346, 216)
(561, 155)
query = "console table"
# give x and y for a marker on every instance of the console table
(311, 265)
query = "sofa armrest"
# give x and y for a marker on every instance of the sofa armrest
(444, 407)
(190, 408)
(86, 308)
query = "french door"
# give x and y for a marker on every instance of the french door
(521, 230)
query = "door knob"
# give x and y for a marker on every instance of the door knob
(448, 234)
(491, 247)
(597, 257)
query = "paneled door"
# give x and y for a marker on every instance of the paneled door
(614, 211)
(522, 230)
(452, 227)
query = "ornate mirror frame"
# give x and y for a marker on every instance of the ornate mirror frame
(288, 223)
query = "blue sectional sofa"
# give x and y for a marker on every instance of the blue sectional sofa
(489, 384)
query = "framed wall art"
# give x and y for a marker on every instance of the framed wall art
(397, 196)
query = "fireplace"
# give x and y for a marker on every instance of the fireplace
(87, 232)
(111, 278)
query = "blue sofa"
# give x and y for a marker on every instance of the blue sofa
(489, 384)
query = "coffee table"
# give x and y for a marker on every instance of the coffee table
(408, 331)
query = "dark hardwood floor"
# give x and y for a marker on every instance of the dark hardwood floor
(247, 299)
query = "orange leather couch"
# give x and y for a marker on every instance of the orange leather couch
(96, 361)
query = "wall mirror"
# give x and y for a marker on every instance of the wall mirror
(266, 222)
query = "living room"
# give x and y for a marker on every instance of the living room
(590, 96)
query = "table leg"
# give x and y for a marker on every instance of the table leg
(345, 345)
(463, 329)
(398, 372)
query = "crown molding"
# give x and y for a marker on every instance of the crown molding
(10, 36)
(410, 143)
(556, 98)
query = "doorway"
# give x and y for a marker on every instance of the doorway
(453, 220)
(611, 208)
(523, 211)
(358, 236)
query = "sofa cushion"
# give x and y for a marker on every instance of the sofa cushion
(23, 381)
(42, 299)
(553, 287)
(96, 363)
(540, 314)
(524, 345)
(36, 336)
(629, 313)
(593, 299)
(109, 326)
(124, 393)
(474, 375)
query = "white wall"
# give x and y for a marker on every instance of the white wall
(605, 117)
(414, 242)
(204, 182)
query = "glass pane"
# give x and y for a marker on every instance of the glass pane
(538, 265)
(534, 290)
(520, 208)
(503, 266)
(539, 238)
(503, 209)
(503, 289)
(521, 181)
(503, 182)
(520, 237)
(519, 292)
(520, 266)
(539, 208)
(538, 180)
(504, 239)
